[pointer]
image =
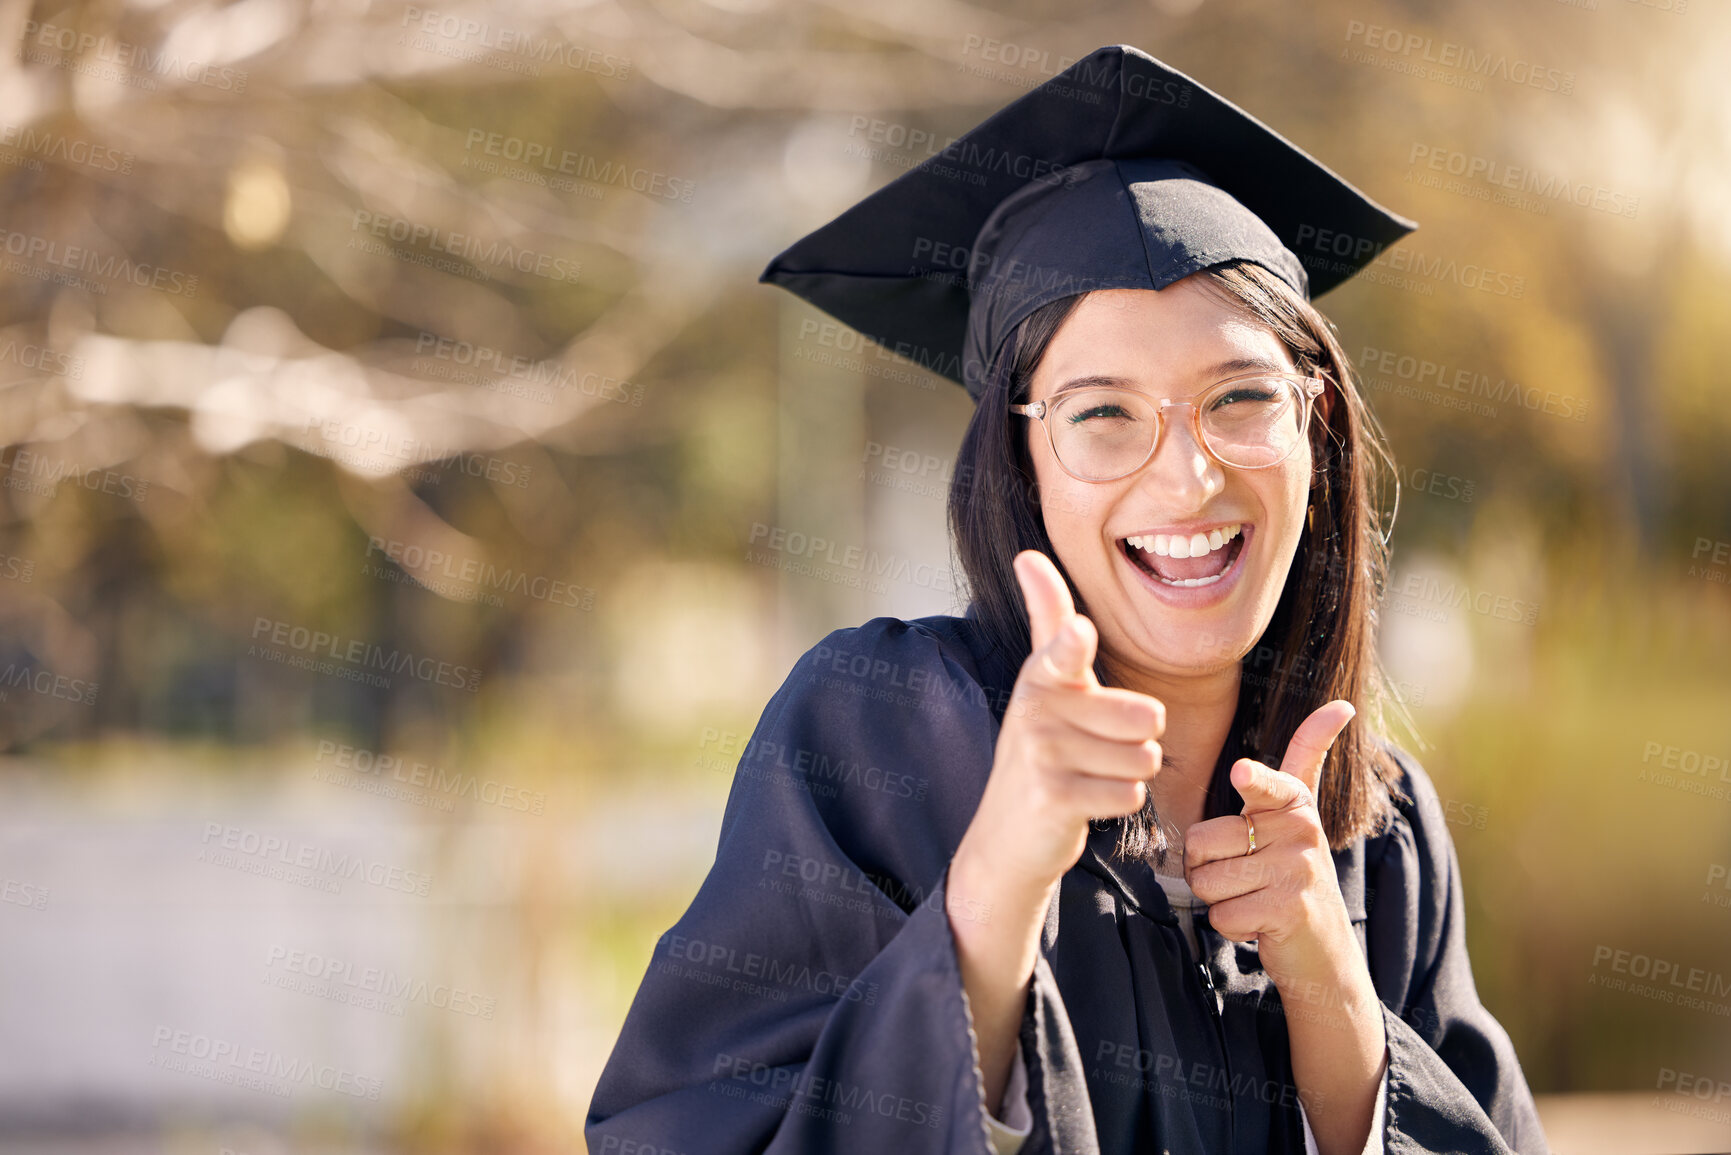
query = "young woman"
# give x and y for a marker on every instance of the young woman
(1117, 861)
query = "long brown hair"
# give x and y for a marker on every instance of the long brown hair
(1321, 642)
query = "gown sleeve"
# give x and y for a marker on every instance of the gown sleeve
(810, 998)
(1454, 1082)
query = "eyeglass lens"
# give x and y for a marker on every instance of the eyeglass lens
(1105, 433)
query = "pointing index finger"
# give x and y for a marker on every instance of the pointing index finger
(1045, 594)
(1064, 641)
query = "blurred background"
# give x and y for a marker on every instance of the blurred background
(409, 501)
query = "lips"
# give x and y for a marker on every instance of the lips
(1185, 560)
(1190, 595)
(1188, 573)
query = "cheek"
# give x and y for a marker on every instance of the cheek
(1285, 499)
(1051, 484)
(1070, 509)
(1296, 486)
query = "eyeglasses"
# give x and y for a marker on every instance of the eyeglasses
(1102, 433)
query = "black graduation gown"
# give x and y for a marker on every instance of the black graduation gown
(809, 1000)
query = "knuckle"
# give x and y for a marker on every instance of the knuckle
(1194, 850)
(1133, 793)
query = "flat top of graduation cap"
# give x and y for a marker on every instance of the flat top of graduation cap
(1119, 172)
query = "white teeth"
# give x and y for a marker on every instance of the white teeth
(1177, 545)
(1207, 581)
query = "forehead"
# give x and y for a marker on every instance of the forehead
(1169, 340)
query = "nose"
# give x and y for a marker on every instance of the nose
(1180, 470)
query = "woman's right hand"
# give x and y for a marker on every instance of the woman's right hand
(1069, 749)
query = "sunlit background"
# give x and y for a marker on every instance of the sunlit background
(409, 495)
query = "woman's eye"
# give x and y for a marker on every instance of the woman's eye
(1253, 394)
(1098, 411)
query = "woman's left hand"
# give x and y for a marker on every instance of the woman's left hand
(1285, 896)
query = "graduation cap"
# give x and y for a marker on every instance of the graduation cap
(1117, 173)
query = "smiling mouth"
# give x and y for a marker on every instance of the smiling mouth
(1185, 562)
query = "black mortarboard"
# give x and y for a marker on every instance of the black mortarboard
(1119, 172)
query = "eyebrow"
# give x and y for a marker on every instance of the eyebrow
(1216, 371)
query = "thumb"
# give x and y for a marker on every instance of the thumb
(1308, 750)
(1064, 638)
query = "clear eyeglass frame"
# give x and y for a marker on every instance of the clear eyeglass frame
(1308, 388)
